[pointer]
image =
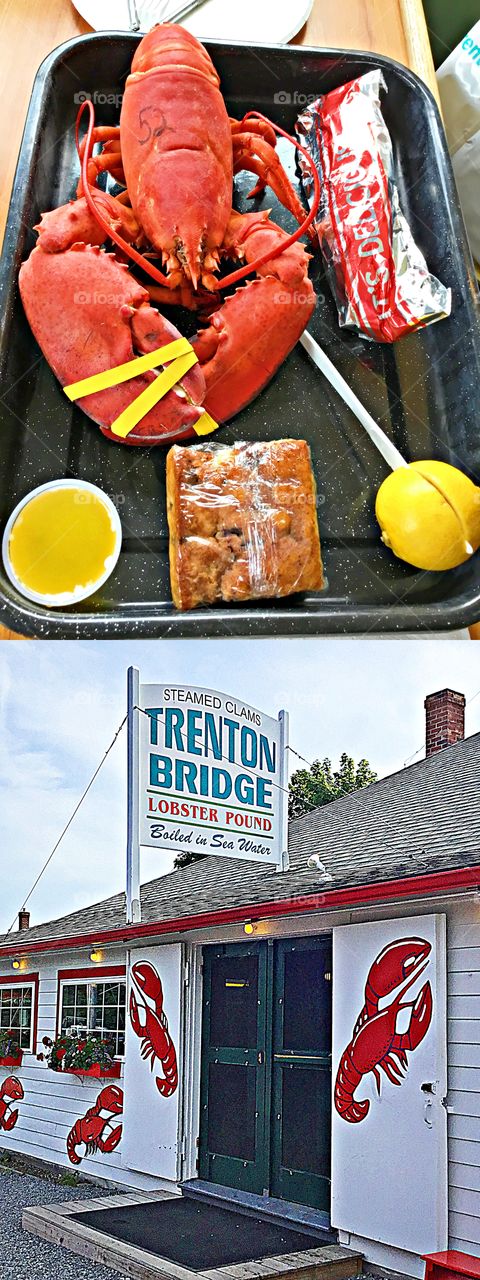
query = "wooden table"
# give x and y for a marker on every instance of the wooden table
(28, 31)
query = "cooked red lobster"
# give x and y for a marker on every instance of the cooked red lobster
(97, 1130)
(149, 1022)
(376, 1043)
(175, 152)
(11, 1090)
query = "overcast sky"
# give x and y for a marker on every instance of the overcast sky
(60, 704)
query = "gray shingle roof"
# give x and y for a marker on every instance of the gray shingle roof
(422, 819)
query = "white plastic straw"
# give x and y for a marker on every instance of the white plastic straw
(388, 450)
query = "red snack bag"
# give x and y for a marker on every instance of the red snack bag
(378, 276)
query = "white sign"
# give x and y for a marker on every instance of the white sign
(213, 777)
(389, 1125)
(152, 1061)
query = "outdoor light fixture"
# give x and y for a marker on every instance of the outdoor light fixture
(249, 927)
(19, 964)
(96, 955)
(315, 863)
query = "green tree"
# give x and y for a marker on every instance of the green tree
(310, 788)
(184, 859)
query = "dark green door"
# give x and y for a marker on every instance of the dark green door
(266, 1064)
(232, 1096)
(301, 1071)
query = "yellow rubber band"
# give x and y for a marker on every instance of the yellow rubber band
(132, 369)
(179, 352)
(124, 424)
(205, 425)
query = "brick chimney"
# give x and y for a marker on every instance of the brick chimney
(444, 720)
(23, 919)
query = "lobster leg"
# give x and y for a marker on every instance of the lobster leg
(257, 155)
(376, 1073)
(388, 1066)
(266, 131)
(263, 128)
(109, 159)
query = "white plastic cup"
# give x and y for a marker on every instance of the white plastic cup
(80, 593)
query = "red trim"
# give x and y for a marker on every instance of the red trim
(103, 971)
(331, 900)
(24, 978)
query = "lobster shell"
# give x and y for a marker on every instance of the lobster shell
(177, 149)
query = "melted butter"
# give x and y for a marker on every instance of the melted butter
(61, 541)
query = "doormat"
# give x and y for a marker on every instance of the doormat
(200, 1237)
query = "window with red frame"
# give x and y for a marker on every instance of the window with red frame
(95, 1007)
(17, 1012)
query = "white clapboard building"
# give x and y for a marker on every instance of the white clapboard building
(308, 1039)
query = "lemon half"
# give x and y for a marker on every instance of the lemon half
(429, 514)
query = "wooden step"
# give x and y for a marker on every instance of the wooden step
(55, 1224)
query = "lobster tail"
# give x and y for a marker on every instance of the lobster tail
(169, 1082)
(352, 1111)
(345, 1084)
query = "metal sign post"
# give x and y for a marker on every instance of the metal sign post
(284, 727)
(133, 774)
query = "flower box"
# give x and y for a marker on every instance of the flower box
(99, 1073)
(11, 1060)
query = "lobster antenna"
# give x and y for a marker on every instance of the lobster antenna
(144, 263)
(94, 209)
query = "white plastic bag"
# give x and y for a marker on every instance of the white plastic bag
(459, 87)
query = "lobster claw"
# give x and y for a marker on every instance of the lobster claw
(10, 1120)
(149, 983)
(419, 1022)
(110, 1099)
(89, 315)
(138, 1024)
(254, 330)
(247, 340)
(112, 1140)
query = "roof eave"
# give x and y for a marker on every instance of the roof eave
(385, 891)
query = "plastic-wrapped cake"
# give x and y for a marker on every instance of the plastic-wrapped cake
(243, 522)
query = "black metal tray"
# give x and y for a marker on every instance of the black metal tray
(424, 389)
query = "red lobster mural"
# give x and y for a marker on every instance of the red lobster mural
(10, 1091)
(375, 1041)
(96, 1130)
(150, 1025)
